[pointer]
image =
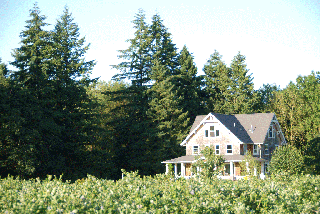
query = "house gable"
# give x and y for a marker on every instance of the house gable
(203, 121)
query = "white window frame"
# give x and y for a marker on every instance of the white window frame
(193, 150)
(208, 131)
(253, 149)
(273, 132)
(229, 149)
(217, 150)
(266, 149)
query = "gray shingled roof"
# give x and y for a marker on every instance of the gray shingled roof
(240, 125)
(191, 158)
(197, 121)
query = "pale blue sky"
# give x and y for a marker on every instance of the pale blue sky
(280, 39)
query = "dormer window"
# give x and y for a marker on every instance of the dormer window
(271, 132)
(211, 132)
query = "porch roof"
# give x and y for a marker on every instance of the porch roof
(228, 158)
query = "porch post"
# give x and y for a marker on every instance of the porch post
(231, 169)
(198, 170)
(167, 168)
(247, 165)
(183, 171)
(175, 170)
(255, 171)
(262, 170)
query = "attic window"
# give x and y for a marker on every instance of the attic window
(271, 132)
(211, 132)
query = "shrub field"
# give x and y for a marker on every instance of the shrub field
(160, 194)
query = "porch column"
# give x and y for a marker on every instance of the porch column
(247, 165)
(255, 171)
(231, 169)
(198, 170)
(175, 170)
(262, 175)
(183, 170)
(167, 168)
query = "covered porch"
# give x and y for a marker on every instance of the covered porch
(182, 166)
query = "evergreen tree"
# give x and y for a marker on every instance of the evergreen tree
(6, 118)
(217, 83)
(31, 95)
(169, 121)
(140, 138)
(136, 63)
(188, 85)
(162, 47)
(71, 104)
(130, 130)
(50, 97)
(241, 97)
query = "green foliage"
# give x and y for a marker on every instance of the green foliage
(249, 166)
(160, 194)
(286, 160)
(188, 86)
(266, 95)
(48, 98)
(217, 83)
(297, 108)
(211, 164)
(229, 90)
(155, 119)
(312, 156)
(136, 60)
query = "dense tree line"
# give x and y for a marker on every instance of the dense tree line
(56, 120)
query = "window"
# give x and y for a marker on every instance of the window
(265, 168)
(211, 132)
(266, 149)
(271, 132)
(195, 150)
(217, 148)
(255, 149)
(229, 149)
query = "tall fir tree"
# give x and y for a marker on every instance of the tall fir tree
(242, 97)
(31, 93)
(169, 121)
(136, 64)
(71, 104)
(52, 102)
(217, 83)
(162, 48)
(140, 136)
(188, 85)
(130, 129)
